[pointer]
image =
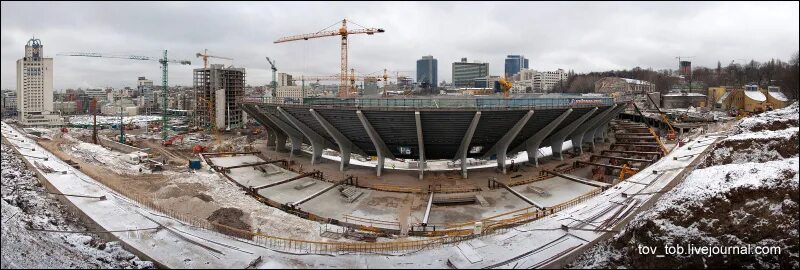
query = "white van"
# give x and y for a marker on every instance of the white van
(136, 157)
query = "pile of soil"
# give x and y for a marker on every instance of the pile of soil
(231, 221)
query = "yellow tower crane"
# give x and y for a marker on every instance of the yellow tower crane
(205, 57)
(344, 89)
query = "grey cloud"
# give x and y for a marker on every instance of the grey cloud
(584, 36)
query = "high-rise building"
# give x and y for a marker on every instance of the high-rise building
(464, 73)
(144, 87)
(35, 87)
(427, 71)
(685, 68)
(515, 63)
(285, 79)
(217, 92)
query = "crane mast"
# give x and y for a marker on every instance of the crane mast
(164, 61)
(344, 89)
(274, 81)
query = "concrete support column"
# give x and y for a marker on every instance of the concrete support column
(602, 132)
(377, 142)
(578, 134)
(420, 144)
(317, 142)
(463, 150)
(592, 134)
(532, 144)
(270, 138)
(557, 139)
(345, 145)
(501, 147)
(297, 142)
(289, 131)
(504, 142)
(280, 142)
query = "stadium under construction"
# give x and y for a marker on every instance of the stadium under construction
(424, 129)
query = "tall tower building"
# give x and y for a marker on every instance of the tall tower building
(515, 63)
(427, 71)
(35, 87)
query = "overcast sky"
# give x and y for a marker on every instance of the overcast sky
(585, 37)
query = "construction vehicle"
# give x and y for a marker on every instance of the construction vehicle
(164, 61)
(671, 134)
(199, 149)
(206, 56)
(626, 172)
(344, 90)
(170, 141)
(505, 86)
(64, 130)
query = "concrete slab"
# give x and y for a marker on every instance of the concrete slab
(286, 193)
(560, 190)
(500, 200)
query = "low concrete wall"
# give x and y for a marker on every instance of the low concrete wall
(127, 149)
(86, 221)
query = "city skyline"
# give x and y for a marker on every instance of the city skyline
(579, 36)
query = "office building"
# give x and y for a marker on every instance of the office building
(427, 71)
(515, 63)
(540, 81)
(465, 73)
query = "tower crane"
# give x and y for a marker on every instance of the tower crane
(205, 57)
(344, 90)
(274, 81)
(164, 76)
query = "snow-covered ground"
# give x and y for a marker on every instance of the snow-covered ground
(25, 206)
(104, 120)
(746, 194)
(100, 155)
(529, 245)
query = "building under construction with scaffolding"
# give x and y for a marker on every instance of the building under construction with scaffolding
(218, 90)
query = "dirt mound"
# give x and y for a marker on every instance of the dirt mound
(231, 221)
(776, 124)
(737, 151)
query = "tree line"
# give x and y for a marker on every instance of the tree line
(773, 72)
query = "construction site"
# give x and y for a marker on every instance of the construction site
(496, 180)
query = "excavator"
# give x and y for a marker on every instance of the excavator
(171, 140)
(626, 172)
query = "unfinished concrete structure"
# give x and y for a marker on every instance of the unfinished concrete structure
(435, 129)
(218, 90)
